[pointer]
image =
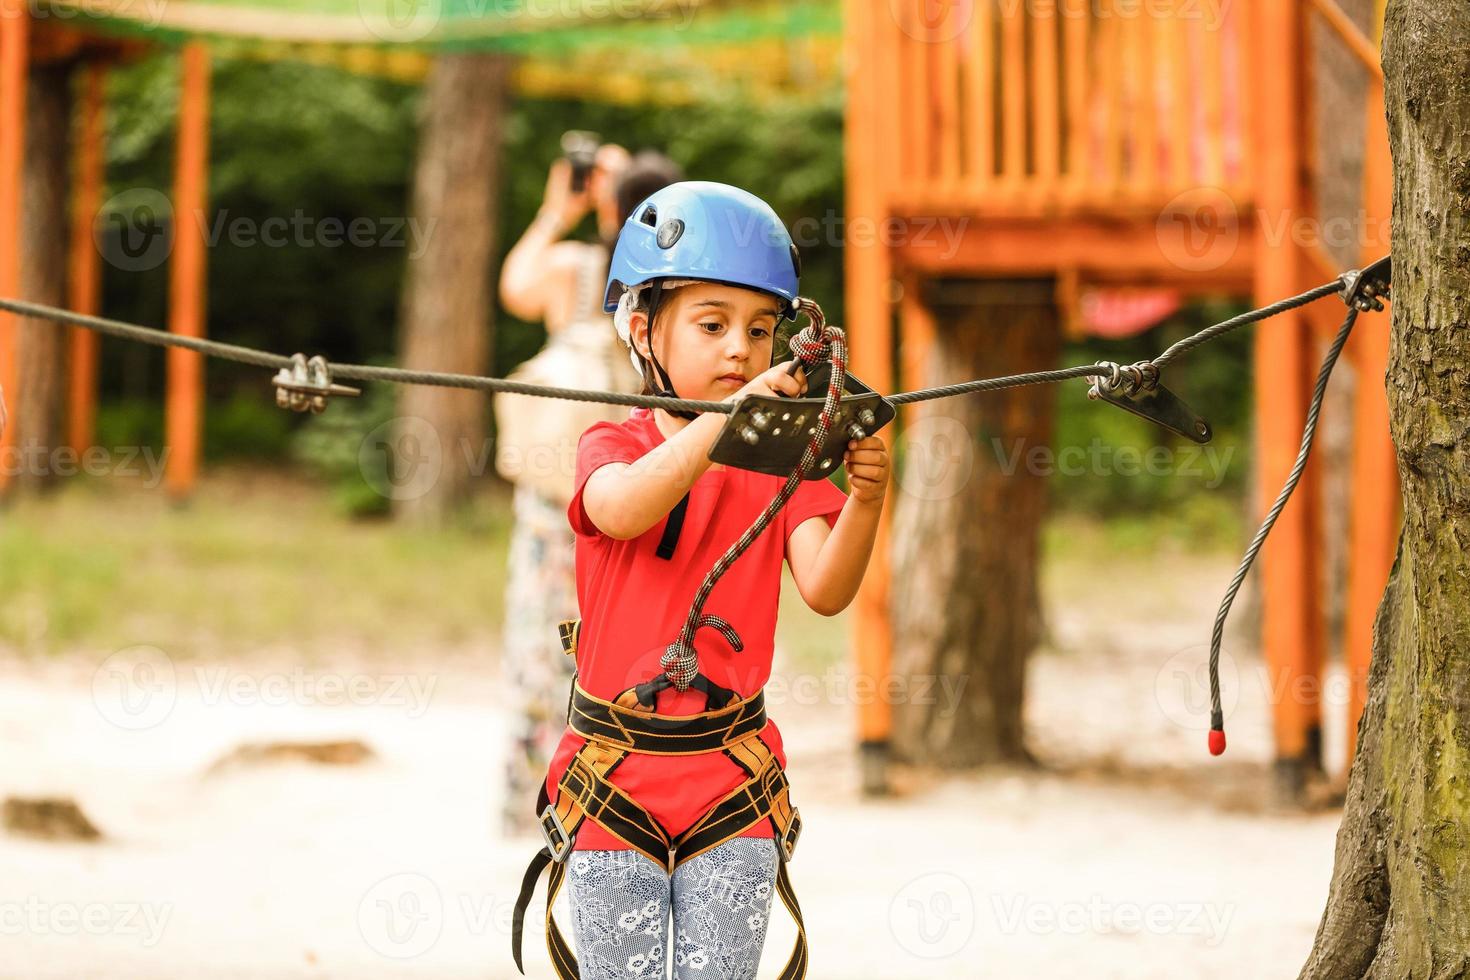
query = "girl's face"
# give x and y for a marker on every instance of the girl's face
(710, 338)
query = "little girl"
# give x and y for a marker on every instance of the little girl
(668, 800)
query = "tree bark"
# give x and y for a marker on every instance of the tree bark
(41, 349)
(446, 314)
(966, 531)
(1399, 904)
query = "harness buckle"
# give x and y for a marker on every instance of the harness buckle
(558, 841)
(787, 844)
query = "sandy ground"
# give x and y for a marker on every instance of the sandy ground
(1133, 855)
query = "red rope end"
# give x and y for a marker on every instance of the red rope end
(1217, 741)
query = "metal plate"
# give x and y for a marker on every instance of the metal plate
(1162, 407)
(768, 435)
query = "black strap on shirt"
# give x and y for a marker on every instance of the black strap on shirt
(675, 524)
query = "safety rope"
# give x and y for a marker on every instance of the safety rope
(814, 343)
(1217, 713)
(373, 372)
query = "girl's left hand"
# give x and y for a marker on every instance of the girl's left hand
(867, 469)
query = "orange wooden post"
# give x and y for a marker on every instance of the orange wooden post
(1289, 598)
(1375, 517)
(916, 342)
(1045, 88)
(186, 281)
(1013, 93)
(980, 94)
(84, 271)
(1212, 83)
(945, 82)
(1076, 61)
(1109, 99)
(869, 333)
(1142, 67)
(14, 28)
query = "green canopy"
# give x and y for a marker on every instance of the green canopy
(541, 27)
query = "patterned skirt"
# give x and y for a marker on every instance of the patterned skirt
(540, 591)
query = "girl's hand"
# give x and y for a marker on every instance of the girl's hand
(561, 204)
(776, 382)
(867, 469)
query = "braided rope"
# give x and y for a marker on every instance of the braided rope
(816, 341)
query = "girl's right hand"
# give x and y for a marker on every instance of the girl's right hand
(777, 381)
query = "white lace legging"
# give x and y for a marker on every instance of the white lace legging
(720, 901)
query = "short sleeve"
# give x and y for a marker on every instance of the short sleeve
(814, 498)
(601, 444)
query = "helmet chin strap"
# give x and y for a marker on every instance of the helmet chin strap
(655, 293)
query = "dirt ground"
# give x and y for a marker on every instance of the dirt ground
(1131, 854)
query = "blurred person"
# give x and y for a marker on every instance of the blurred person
(559, 282)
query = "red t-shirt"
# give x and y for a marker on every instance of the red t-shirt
(634, 603)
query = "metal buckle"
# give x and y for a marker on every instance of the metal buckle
(792, 835)
(306, 384)
(561, 847)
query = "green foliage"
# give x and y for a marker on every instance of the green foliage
(291, 139)
(1109, 469)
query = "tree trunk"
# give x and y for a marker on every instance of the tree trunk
(1399, 904)
(966, 526)
(447, 323)
(37, 413)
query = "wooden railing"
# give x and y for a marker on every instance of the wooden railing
(1041, 106)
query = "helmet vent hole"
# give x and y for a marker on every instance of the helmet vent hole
(669, 232)
(650, 216)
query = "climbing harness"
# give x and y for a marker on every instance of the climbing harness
(628, 724)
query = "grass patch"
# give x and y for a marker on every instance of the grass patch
(250, 561)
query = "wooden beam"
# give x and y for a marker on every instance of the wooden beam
(1289, 593)
(1021, 248)
(14, 27)
(1357, 42)
(869, 331)
(183, 418)
(84, 270)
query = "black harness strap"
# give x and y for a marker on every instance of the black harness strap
(670, 540)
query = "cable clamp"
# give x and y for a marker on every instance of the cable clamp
(1135, 388)
(1364, 289)
(306, 385)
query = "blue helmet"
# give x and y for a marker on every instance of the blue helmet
(698, 229)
